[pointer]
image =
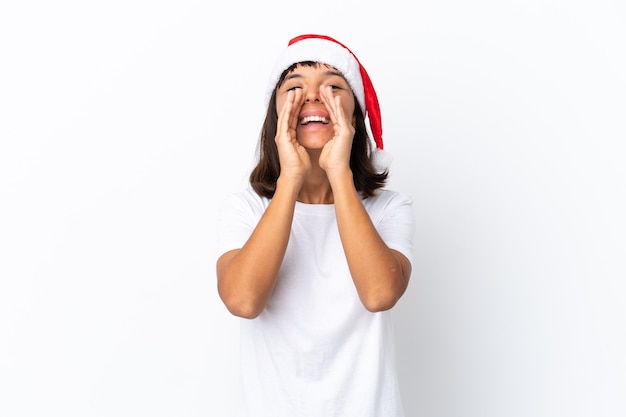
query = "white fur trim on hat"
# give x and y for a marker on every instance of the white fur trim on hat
(322, 51)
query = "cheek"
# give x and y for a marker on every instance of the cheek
(348, 103)
(280, 102)
(348, 108)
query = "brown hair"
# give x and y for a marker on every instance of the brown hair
(265, 174)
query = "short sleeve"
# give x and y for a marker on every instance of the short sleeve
(238, 215)
(393, 217)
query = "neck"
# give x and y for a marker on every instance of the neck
(316, 187)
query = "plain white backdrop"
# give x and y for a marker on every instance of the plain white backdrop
(124, 123)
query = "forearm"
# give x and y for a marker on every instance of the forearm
(380, 274)
(246, 277)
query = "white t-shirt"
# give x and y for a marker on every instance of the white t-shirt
(315, 350)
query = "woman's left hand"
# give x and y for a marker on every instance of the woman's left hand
(335, 156)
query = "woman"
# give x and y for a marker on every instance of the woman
(316, 252)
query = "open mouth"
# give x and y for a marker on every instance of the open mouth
(313, 119)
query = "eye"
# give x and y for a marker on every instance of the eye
(337, 86)
(293, 88)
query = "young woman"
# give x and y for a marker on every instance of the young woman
(316, 251)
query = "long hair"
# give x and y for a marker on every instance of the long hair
(265, 174)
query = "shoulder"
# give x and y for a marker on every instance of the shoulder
(385, 198)
(244, 200)
(389, 206)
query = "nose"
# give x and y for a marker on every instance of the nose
(312, 95)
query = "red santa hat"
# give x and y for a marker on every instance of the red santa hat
(326, 50)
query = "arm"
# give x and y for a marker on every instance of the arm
(246, 276)
(380, 274)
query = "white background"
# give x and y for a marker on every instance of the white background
(124, 123)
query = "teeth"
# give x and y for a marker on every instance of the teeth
(310, 119)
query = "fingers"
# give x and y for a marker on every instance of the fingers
(333, 105)
(288, 114)
(296, 104)
(281, 125)
(343, 127)
(329, 101)
(283, 115)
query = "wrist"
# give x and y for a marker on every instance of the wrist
(289, 186)
(340, 178)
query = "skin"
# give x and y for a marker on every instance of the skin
(315, 169)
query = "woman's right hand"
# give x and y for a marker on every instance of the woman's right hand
(294, 159)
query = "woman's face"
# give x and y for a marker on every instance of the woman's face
(314, 128)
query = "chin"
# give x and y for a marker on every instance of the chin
(314, 143)
(313, 140)
(313, 146)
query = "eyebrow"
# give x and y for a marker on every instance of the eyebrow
(334, 73)
(292, 76)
